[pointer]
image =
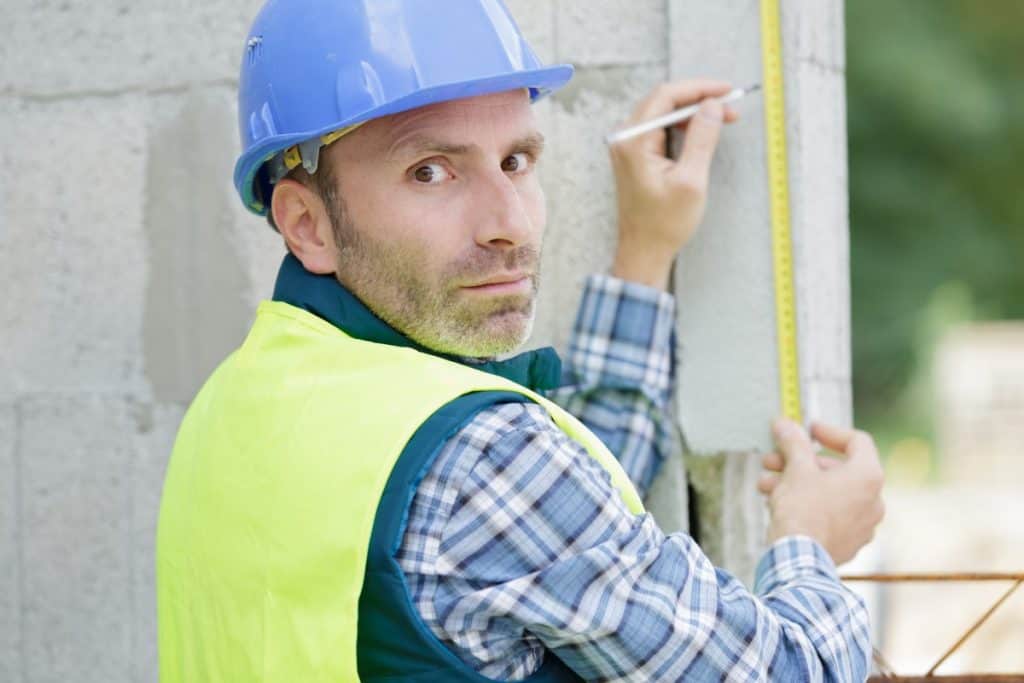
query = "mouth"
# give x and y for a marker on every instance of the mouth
(503, 284)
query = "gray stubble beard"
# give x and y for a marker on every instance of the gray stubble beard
(396, 296)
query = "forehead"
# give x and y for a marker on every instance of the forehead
(496, 113)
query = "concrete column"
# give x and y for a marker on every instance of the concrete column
(728, 382)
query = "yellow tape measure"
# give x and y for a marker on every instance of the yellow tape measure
(778, 186)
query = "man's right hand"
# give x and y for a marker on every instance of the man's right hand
(836, 501)
(661, 200)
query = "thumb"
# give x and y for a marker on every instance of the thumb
(794, 445)
(702, 133)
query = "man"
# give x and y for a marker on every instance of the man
(364, 491)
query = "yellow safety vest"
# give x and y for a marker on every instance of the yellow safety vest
(272, 490)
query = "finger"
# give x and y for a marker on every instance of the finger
(853, 443)
(666, 98)
(773, 462)
(827, 462)
(702, 137)
(878, 512)
(793, 442)
(731, 116)
(833, 436)
(767, 482)
(675, 95)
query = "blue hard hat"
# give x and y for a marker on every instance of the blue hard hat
(313, 68)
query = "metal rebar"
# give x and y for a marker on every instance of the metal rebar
(976, 625)
(886, 675)
(976, 576)
(960, 678)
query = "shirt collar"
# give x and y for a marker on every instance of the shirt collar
(325, 297)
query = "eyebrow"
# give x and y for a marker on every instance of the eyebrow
(417, 145)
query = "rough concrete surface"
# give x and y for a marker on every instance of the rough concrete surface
(195, 291)
(60, 48)
(130, 269)
(73, 184)
(10, 546)
(76, 513)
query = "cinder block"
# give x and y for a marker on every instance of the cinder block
(727, 359)
(196, 305)
(53, 48)
(724, 34)
(76, 456)
(10, 565)
(72, 250)
(576, 171)
(156, 427)
(715, 40)
(820, 210)
(828, 400)
(815, 33)
(727, 363)
(611, 32)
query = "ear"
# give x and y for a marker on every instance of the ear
(301, 218)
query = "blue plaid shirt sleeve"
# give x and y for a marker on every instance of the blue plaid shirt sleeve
(619, 372)
(517, 543)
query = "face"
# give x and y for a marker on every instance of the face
(442, 219)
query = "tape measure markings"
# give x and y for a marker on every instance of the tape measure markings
(778, 186)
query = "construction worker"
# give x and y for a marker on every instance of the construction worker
(364, 490)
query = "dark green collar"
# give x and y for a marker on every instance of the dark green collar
(325, 297)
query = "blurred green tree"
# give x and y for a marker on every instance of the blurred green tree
(935, 97)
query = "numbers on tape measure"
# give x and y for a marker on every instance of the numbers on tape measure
(778, 185)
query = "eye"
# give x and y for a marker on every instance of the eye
(519, 161)
(430, 174)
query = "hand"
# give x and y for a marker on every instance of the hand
(661, 201)
(836, 501)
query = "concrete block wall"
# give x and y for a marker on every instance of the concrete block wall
(130, 269)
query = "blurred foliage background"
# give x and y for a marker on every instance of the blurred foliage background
(935, 94)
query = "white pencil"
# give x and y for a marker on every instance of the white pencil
(674, 117)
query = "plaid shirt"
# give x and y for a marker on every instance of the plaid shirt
(512, 546)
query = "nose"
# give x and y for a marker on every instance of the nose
(503, 221)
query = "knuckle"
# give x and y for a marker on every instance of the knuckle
(619, 154)
(877, 477)
(690, 184)
(873, 485)
(703, 141)
(862, 440)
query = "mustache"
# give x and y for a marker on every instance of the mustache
(483, 264)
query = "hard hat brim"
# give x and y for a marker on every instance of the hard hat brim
(541, 82)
